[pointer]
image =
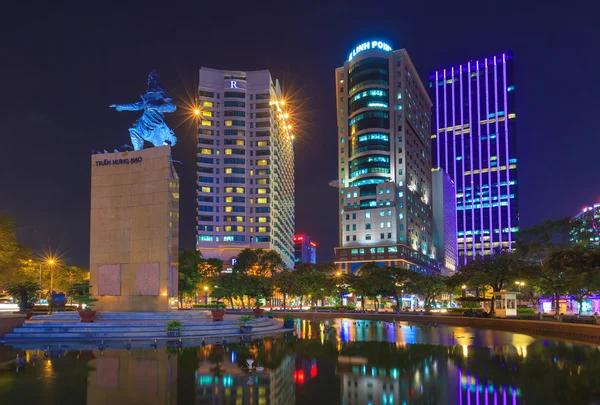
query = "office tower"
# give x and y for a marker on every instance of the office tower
(305, 250)
(444, 220)
(474, 141)
(586, 227)
(245, 165)
(384, 159)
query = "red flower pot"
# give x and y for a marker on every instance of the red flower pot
(87, 316)
(217, 314)
(258, 312)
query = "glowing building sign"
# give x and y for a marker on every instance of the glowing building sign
(375, 45)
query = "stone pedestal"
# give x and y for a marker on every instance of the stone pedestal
(134, 230)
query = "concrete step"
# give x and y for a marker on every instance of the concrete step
(119, 324)
(125, 331)
(138, 316)
(139, 327)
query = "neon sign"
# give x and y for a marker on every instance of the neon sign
(376, 45)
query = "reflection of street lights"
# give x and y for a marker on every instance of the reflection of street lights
(205, 295)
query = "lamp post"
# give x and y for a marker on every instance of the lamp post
(205, 295)
(51, 263)
(464, 290)
(520, 284)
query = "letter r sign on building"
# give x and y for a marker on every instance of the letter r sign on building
(234, 84)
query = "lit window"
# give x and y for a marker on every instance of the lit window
(261, 219)
(206, 151)
(261, 162)
(207, 113)
(206, 123)
(381, 225)
(262, 190)
(206, 189)
(392, 249)
(228, 123)
(261, 229)
(368, 214)
(207, 104)
(261, 200)
(388, 224)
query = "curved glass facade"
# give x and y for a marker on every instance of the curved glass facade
(369, 142)
(370, 119)
(368, 71)
(372, 98)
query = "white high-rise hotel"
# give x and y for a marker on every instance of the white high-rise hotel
(384, 160)
(245, 166)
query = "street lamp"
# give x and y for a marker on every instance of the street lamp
(464, 290)
(51, 263)
(205, 295)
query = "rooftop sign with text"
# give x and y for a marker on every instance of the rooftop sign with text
(365, 46)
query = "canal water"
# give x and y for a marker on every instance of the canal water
(339, 361)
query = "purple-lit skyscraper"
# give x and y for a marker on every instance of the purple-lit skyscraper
(474, 141)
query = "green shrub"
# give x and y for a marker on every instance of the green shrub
(245, 319)
(461, 310)
(526, 311)
(216, 305)
(174, 325)
(288, 317)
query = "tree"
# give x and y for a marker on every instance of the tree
(14, 257)
(400, 277)
(258, 262)
(189, 276)
(230, 286)
(495, 272)
(373, 281)
(258, 287)
(428, 287)
(67, 276)
(545, 250)
(285, 282)
(584, 275)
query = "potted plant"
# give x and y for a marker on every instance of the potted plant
(270, 314)
(25, 293)
(288, 321)
(174, 328)
(218, 311)
(257, 310)
(86, 314)
(245, 323)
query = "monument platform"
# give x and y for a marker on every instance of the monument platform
(132, 326)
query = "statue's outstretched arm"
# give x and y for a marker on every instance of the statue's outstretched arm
(129, 107)
(167, 108)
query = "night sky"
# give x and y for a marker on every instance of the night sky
(62, 65)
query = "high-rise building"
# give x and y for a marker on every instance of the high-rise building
(245, 165)
(305, 249)
(444, 220)
(586, 227)
(384, 159)
(474, 141)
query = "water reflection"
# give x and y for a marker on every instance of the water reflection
(339, 362)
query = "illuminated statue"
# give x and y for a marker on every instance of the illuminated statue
(151, 125)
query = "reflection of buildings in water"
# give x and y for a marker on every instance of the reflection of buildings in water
(475, 390)
(139, 376)
(226, 383)
(365, 383)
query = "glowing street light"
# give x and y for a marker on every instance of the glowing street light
(205, 295)
(196, 111)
